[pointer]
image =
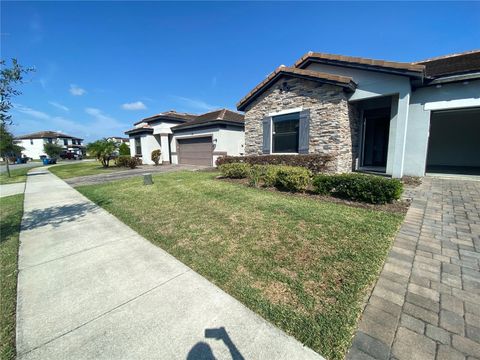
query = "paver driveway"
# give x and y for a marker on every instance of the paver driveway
(426, 304)
(89, 287)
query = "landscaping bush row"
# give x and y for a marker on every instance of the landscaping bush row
(357, 187)
(316, 163)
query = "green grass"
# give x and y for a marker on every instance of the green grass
(16, 175)
(303, 264)
(10, 217)
(69, 170)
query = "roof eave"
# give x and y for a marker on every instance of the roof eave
(242, 104)
(139, 131)
(303, 63)
(208, 123)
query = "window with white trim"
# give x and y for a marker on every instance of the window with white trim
(285, 133)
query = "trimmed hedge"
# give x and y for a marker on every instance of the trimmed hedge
(235, 170)
(316, 163)
(359, 187)
(293, 178)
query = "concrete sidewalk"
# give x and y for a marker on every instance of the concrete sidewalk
(11, 189)
(89, 287)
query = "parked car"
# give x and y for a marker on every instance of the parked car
(71, 155)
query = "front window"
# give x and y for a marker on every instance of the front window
(49, 140)
(65, 142)
(285, 133)
(138, 147)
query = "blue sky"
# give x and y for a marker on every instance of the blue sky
(100, 66)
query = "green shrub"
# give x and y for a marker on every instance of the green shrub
(293, 178)
(123, 149)
(270, 174)
(122, 160)
(156, 154)
(255, 175)
(127, 161)
(316, 163)
(324, 183)
(235, 170)
(133, 162)
(359, 187)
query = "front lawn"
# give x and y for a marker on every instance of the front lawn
(16, 175)
(71, 170)
(303, 264)
(10, 217)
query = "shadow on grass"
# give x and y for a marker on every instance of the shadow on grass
(56, 215)
(10, 226)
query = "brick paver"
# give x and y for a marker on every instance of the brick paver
(426, 303)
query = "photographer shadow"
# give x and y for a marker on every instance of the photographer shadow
(203, 351)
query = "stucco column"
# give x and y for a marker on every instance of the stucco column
(400, 135)
(132, 146)
(164, 146)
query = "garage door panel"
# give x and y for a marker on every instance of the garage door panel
(454, 145)
(195, 151)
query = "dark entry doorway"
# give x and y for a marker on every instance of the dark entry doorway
(375, 138)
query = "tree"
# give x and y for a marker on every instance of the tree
(9, 77)
(8, 148)
(102, 150)
(124, 150)
(52, 150)
(156, 154)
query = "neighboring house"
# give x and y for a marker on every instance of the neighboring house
(33, 143)
(187, 138)
(372, 115)
(119, 140)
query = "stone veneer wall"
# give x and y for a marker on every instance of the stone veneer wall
(334, 124)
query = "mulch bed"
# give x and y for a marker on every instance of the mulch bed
(400, 206)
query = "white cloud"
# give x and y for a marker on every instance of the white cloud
(136, 105)
(59, 106)
(195, 104)
(31, 112)
(76, 90)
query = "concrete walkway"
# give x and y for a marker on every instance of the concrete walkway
(124, 174)
(11, 189)
(89, 287)
(426, 304)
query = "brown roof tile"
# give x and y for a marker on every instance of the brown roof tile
(452, 64)
(45, 135)
(168, 115)
(341, 59)
(343, 81)
(140, 129)
(212, 117)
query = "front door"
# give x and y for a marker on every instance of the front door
(375, 138)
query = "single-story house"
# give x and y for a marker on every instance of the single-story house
(188, 138)
(33, 143)
(371, 115)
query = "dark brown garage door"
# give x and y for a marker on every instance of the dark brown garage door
(195, 151)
